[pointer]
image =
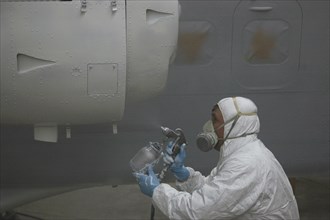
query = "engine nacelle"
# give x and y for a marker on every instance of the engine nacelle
(75, 62)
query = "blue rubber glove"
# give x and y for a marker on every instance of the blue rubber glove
(177, 167)
(147, 183)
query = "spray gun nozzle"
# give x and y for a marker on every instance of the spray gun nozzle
(177, 135)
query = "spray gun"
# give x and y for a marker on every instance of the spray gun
(151, 154)
(178, 138)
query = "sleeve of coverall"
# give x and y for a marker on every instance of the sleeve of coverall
(229, 194)
(195, 181)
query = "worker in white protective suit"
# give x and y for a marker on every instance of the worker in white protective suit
(247, 183)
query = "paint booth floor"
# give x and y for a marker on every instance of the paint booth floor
(127, 202)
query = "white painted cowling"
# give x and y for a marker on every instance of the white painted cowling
(74, 63)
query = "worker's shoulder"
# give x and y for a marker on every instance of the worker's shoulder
(253, 155)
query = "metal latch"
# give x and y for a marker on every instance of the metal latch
(114, 6)
(83, 8)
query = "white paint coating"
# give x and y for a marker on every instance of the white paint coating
(152, 31)
(66, 62)
(46, 132)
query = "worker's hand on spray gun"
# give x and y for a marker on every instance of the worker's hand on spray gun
(147, 183)
(177, 167)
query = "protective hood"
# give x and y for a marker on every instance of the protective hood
(247, 122)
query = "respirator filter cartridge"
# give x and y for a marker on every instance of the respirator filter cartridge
(206, 141)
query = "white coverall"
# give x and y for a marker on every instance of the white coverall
(247, 183)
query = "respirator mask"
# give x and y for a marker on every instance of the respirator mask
(207, 139)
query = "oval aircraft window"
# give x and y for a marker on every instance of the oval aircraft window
(195, 43)
(266, 42)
